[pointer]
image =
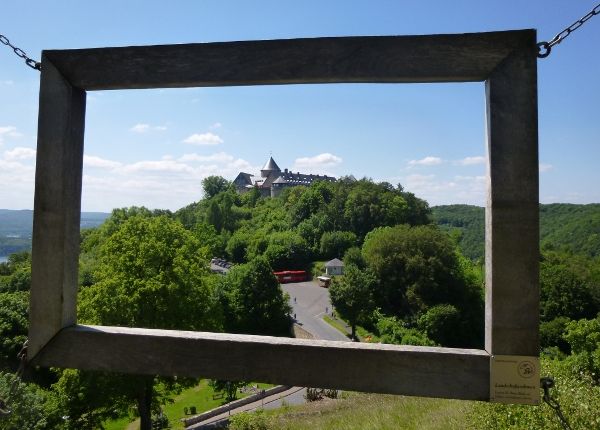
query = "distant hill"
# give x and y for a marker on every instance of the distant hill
(575, 228)
(16, 227)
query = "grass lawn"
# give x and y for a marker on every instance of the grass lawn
(335, 324)
(363, 334)
(200, 396)
(373, 412)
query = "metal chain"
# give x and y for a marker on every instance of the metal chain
(5, 403)
(546, 384)
(544, 48)
(30, 62)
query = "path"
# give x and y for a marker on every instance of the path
(293, 396)
(309, 306)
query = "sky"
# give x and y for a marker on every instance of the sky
(154, 147)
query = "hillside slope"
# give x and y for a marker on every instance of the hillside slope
(571, 227)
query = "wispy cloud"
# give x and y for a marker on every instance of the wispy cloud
(8, 131)
(164, 182)
(544, 167)
(101, 163)
(470, 161)
(216, 125)
(19, 153)
(427, 161)
(145, 128)
(438, 190)
(17, 172)
(203, 139)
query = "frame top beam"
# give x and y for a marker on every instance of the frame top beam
(394, 59)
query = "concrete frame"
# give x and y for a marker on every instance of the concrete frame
(506, 61)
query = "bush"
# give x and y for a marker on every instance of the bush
(249, 421)
(442, 323)
(578, 397)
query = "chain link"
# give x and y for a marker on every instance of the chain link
(20, 53)
(544, 48)
(546, 384)
(5, 403)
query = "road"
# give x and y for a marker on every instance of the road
(309, 303)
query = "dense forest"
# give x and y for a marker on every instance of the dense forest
(407, 281)
(565, 227)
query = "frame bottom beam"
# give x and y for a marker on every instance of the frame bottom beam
(394, 369)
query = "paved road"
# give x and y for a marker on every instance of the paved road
(310, 304)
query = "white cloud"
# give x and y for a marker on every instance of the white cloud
(427, 161)
(19, 153)
(544, 167)
(140, 128)
(17, 177)
(157, 166)
(470, 161)
(437, 190)
(317, 162)
(220, 157)
(165, 182)
(203, 139)
(216, 125)
(145, 128)
(101, 163)
(8, 131)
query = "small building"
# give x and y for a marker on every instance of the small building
(334, 267)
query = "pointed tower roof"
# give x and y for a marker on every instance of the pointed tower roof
(271, 165)
(269, 168)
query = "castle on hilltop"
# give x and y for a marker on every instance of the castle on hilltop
(273, 180)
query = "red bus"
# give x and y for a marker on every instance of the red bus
(290, 276)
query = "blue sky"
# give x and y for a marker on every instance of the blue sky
(153, 147)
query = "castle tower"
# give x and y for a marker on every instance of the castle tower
(269, 168)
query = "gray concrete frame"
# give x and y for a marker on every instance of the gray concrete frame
(506, 61)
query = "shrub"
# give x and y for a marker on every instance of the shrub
(578, 397)
(249, 421)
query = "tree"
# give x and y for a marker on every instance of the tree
(353, 256)
(370, 205)
(564, 292)
(442, 324)
(252, 300)
(32, 407)
(13, 327)
(150, 274)
(214, 216)
(287, 250)
(417, 268)
(230, 388)
(394, 331)
(352, 295)
(213, 185)
(334, 244)
(584, 338)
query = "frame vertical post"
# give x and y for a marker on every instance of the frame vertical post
(512, 209)
(57, 207)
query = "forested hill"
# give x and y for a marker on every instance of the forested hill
(570, 227)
